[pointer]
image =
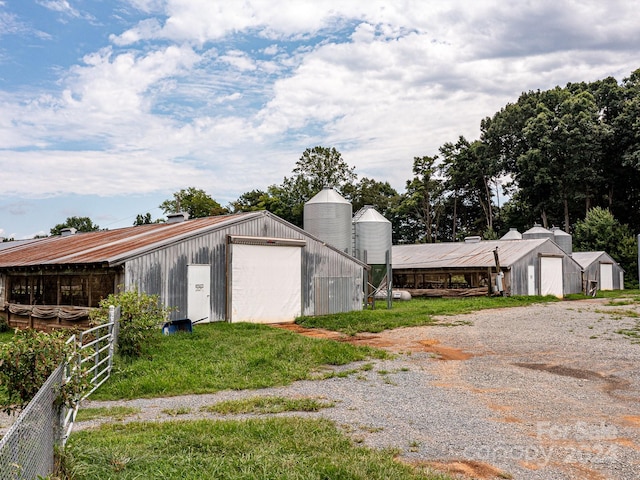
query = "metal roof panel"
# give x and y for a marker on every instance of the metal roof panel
(109, 246)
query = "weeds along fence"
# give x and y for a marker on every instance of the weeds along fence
(27, 450)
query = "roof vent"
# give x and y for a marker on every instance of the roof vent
(68, 231)
(177, 217)
(474, 239)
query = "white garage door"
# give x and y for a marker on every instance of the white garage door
(265, 281)
(551, 276)
(606, 276)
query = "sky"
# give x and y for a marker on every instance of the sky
(108, 107)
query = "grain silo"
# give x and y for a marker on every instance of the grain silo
(537, 231)
(563, 240)
(372, 236)
(327, 216)
(372, 242)
(512, 234)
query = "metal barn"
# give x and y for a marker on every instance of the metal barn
(527, 267)
(253, 267)
(599, 271)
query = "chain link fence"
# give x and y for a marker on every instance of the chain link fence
(27, 450)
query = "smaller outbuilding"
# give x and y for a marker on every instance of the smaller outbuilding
(600, 271)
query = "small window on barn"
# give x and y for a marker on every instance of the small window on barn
(20, 292)
(74, 290)
(101, 287)
(50, 286)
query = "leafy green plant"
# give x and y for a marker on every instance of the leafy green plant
(4, 326)
(27, 361)
(141, 315)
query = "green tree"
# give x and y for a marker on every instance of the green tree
(471, 173)
(81, 224)
(250, 202)
(145, 219)
(600, 231)
(367, 191)
(317, 168)
(196, 202)
(421, 207)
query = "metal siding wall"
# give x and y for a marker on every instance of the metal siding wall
(572, 273)
(164, 272)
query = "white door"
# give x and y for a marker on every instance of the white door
(606, 276)
(531, 280)
(551, 282)
(199, 293)
(266, 283)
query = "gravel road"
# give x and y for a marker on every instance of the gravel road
(548, 391)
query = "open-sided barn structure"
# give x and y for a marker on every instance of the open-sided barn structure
(245, 267)
(526, 267)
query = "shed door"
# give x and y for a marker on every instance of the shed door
(265, 283)
(531, 280)
(606, 276)
(551, 282)
(199, 288)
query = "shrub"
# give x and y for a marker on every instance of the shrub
(4, 326)
(140, 316)
(26, 362)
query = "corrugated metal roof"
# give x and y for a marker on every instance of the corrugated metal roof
(110, 246)
(585, 259)
(463, 255)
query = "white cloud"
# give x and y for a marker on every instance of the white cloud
(226, 95)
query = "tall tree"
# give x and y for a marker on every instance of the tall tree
(601, 231)
(196, 202)
(318, 167)
(420, 209)
(367, 191)
(471, 172)
(81, 224)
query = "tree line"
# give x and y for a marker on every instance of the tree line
(566, 157)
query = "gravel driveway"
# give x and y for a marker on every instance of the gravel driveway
(549, 391)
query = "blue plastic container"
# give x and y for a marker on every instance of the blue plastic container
(174, 326)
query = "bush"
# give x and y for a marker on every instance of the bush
(140, 317)
(26, 362)
(4, 326)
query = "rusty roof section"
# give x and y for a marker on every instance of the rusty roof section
(110, 247)
(463, 255)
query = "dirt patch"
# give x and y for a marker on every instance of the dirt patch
(443, 352)
(611, 383)
(632, 420)
(564, 371)
(464, 468)
(384, 340)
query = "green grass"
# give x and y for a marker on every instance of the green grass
(416, 312)
(265, 405)
(115, 413)
(222, 356)
(6, 337)
(274, 448)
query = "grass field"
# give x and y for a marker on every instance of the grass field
(273, 448)
(416, 312)
(221, 356)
